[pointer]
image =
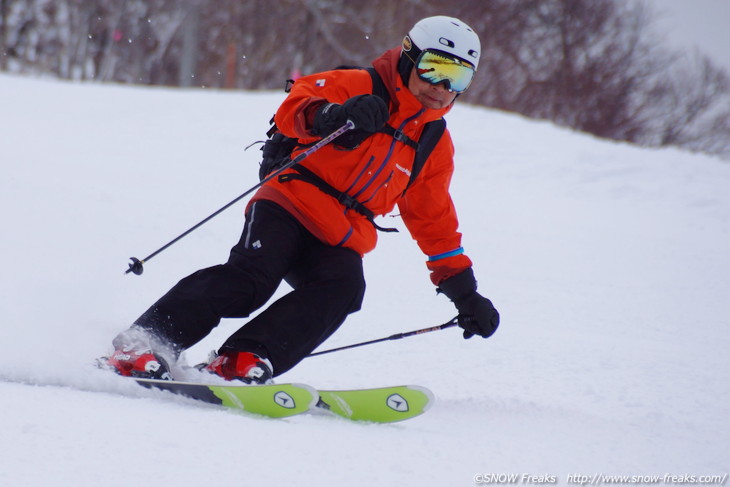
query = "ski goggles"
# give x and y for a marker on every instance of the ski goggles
(436, 67)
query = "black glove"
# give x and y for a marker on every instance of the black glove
(369, 113)
(477, 315)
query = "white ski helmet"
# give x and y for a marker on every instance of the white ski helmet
(446, 34)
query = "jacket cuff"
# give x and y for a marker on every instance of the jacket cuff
(304, 117)
(460, 285)
(445, 268)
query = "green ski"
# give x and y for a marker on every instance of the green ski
(274, 401)
(381, 405)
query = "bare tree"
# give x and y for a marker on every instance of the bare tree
(691, 107)
(3, 30)
(586, 64)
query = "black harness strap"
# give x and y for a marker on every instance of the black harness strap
(400, 137)
(343, 198)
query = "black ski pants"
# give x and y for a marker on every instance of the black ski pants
(327, 282)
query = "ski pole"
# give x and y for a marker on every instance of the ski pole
(136, 267)
(454, 321)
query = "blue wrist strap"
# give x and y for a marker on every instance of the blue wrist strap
(451, 253)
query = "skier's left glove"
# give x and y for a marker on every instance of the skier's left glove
(477, 315)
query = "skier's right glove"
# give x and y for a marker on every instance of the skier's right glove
(369, 113)
(477, 315)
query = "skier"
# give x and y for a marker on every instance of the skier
(296, 231)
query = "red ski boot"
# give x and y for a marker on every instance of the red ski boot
(141, 364)
(244, 366)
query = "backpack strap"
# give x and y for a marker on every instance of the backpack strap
(430, 136)
(343, 198)
(379, 87)
(400, 137)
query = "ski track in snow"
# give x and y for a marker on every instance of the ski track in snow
(609, 264)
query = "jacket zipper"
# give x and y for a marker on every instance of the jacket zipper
(389, 155)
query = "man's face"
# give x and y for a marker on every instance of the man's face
(430, 96)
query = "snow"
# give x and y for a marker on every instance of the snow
(609, 264)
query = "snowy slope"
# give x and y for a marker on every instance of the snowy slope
(609, 264)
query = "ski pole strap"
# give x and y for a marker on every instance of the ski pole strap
(453, 322)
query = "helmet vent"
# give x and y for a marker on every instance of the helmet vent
(473, 53)
(446, 42)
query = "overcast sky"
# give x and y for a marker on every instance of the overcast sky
(704, 24)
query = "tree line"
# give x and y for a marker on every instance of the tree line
(592, 65)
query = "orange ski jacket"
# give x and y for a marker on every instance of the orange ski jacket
(376, 172)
